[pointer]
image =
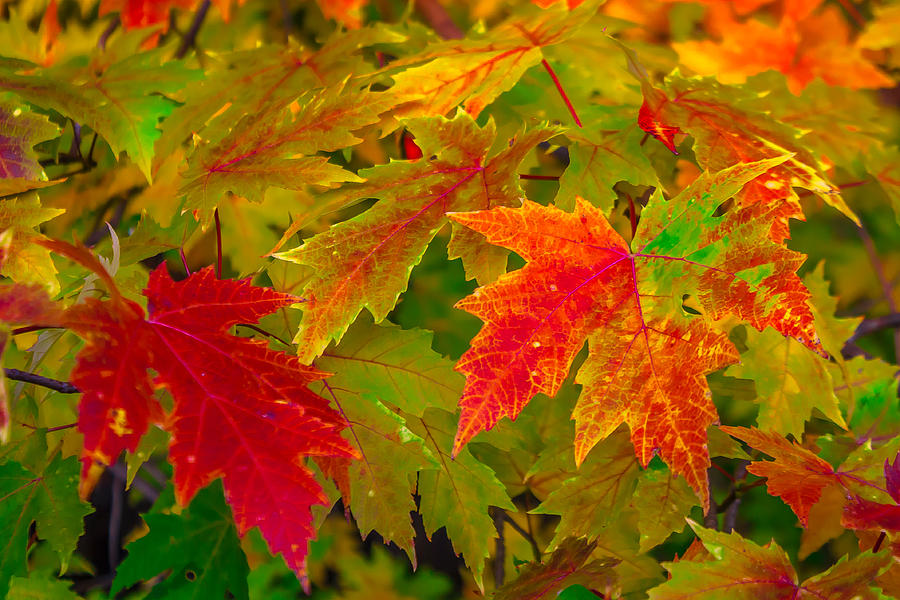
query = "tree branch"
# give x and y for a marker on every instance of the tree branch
(500, 552)
(528, 537)
(190, 38)
(63, 387)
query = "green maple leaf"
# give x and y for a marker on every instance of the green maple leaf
(791, 380)
(457, 494)
(276, 148)
(40, 586)
(20, 131)
(741, 569)
(606, 151)
(202, 557)
(122, 101)
(661, 500)
(598, 493)
(376, 366)
(49, 499)
(27, 262)
(366, 261)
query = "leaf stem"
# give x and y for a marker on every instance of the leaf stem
(63, 387)
(437, 16)
(878, 542)
(110, 29)
(218, 244)
(187, 269)
(30, 328)
(561, 91)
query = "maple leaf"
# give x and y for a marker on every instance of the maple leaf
(277, 148)
(27, 262)
(458, 493)
(791, 381)
(249, 82)
(376, 367)
(366, 261)
(473, 72)
(242, 412)
(647, 357)
(599, 159)
(565, 567)
(46, 498)
(799, 477)
(122, 100)
(661, 500)
(203, 557)
(744, 570)
(798, 46)
(728, 129)
(20, 131)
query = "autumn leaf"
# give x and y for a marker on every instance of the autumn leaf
(814, 45)
(728, 129)
(648, 357)
(567, 566)
(745, 570)
(278, 148)
(26, 262)
(144, 13)
(473, 72)
(20, 131)
(122, 101)
(366, 261)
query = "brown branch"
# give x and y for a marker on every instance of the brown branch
(528, 537)
(437, 16)
(878, 267)
(190, 38)
(63, 387)
(500, 548)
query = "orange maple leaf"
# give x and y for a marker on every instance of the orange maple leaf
(648, 357)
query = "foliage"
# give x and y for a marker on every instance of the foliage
(229, 235)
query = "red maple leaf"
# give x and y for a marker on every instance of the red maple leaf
(241, 412)
(648, 357)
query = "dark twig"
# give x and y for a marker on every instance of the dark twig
(528, 537)
(104, 37)
(285, 20)
(711, 518)
(878, 267)
(436, 16)
(57, 428)
(538, 177)
(149, 492)
(218, 245)
(731, 511)
(63, 387)
(30, 328)
(500, 547)
(190, 38)
(878, 542)
(262, 331)
(117, 500)
(870, 326)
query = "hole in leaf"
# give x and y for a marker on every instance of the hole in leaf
(190, 575)
(689, 305)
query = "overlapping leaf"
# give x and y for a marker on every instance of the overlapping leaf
(278, 148)
(46, 498)
(242, 412)
(122, 101)
(741, 569)
(366, 261)
(203, 557)
(565, 567)
(728, 129)
(473, 72)
(20, 131)
(27, 262)
(648, 357)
